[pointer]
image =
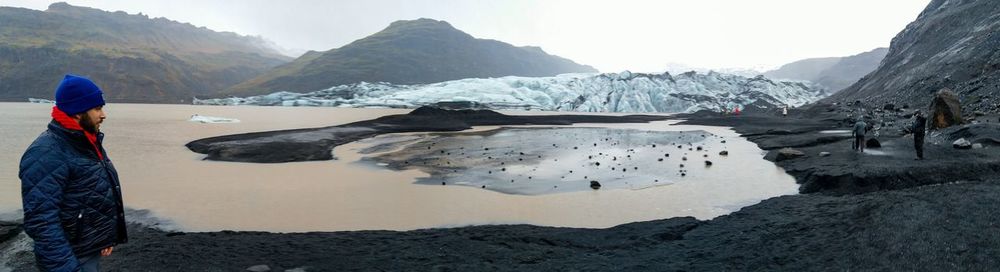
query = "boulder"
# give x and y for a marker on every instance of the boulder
(723, 153)
(708, 163)
(945, 110)
(787, 154)
(873, 143)
(595, 185)
(961, 143)
(977, 146)
(824, 154)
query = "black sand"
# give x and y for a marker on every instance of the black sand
(317, 143)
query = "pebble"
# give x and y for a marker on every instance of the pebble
(259, 268)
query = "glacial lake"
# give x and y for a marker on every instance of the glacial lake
(359, 191)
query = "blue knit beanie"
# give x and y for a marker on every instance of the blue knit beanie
(77, 94)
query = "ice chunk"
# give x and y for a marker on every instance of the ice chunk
(212, 120)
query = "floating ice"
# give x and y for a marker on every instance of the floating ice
(212, 120)
(40, 101)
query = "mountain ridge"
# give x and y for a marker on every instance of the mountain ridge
(835, 73)
(952, 44)
(409, 52)
(134, 58)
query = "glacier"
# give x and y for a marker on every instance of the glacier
(608, 92)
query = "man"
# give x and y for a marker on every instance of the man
(859, 134)
(919, 127)
(70, 191)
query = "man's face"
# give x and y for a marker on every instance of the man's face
(91, 119)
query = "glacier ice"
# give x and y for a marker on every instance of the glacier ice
(609, 92)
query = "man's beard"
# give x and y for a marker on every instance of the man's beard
(88, 124)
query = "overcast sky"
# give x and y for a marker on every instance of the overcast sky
(636, 35)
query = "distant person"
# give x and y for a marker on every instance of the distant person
(70, 190)
(859, 134)
(919, 128)
(784, 111)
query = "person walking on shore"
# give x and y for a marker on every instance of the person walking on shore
(919, 128)
(70, 190)
(859, 134)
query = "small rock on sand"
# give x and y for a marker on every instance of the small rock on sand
(259, 268)
(873, 143)
(724, 153)
(788, 153)
(961, 143)
(595, 185)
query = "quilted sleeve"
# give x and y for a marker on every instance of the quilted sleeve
(43, 175)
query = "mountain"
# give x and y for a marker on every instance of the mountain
(621, 92)
(132, 57)
(952, 44)
(807, 69)
(835, 73)
(409, 52)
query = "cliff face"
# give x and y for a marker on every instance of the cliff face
(952, 44)
(134, 58)
(409, 52)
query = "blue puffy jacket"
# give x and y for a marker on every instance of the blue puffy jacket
(72, 199)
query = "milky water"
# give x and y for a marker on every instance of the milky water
(159, 174)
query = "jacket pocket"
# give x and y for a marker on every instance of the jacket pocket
(74, 228)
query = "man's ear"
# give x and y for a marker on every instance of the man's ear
(78, 116)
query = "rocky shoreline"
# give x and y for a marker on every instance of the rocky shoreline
(880, 210)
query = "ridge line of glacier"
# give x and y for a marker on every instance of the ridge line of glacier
(608, 92)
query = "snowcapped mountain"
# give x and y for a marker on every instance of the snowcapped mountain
(615, 92)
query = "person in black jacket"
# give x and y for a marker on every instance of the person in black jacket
(860, 127)
(69, 188)
(919, 126)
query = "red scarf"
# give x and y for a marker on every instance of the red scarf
(69, 123)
